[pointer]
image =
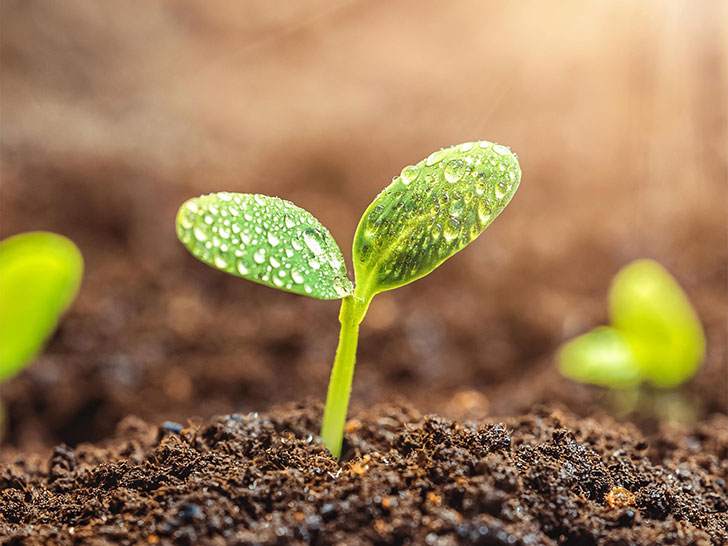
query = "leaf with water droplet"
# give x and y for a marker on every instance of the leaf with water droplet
(431, 211)
(266, 240)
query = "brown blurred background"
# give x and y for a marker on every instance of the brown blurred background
(113, 113)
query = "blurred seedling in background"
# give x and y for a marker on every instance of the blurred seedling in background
(40, 274)
(654, 344)
(428, 213)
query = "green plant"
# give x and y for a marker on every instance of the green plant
(428, 213)
(655, 335)
(40, 274)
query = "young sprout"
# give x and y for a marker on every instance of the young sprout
(40, 274)
(428, 213)
(655, 335)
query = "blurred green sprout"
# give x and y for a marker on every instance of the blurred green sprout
(40, 274)
(655, 335)
(428, 213)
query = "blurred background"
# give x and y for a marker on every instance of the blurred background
(113, 113)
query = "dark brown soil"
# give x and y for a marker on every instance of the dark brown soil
(544, 478)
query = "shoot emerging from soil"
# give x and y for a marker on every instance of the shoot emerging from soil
(655, 335)
(428, 213)
(40, 274)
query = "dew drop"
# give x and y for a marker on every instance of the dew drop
(209, 219)
(466, 146)
(501, 150)
(436, 231)
(307, 288)
(296, 276)
(454, 170)
(484, 210)
(501, 189)
(289, 253)
(315, 264)
(341, 286)
(245, 237)
(290, 224)
(241, 267)
(374, 215)
(296, 245)
(480, 188)
(410, 174)
(452, 228)
(259, 256)
(457, 208)
(435, 157)
(274, 262)
(220, 262)
(277, 281)
(313, 239)
(187, 218)
(200, 234)
(272, 239)
(224, 232)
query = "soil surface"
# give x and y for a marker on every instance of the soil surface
(405, 478)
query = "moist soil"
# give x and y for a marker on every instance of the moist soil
(405, 478)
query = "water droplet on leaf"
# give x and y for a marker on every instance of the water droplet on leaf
(454, 170)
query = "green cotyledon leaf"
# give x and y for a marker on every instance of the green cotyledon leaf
(431, 211)
(40, 274)
(600, 357)
(647, 305)
(266, 240)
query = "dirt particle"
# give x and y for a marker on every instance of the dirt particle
(434, 498)
(620, 497)
(352, 426)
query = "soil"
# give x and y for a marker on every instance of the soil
(405, 478)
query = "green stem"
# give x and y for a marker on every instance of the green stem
(353, 309)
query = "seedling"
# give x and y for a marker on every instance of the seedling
(655, 336)
(428, 213)
(40, 274)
